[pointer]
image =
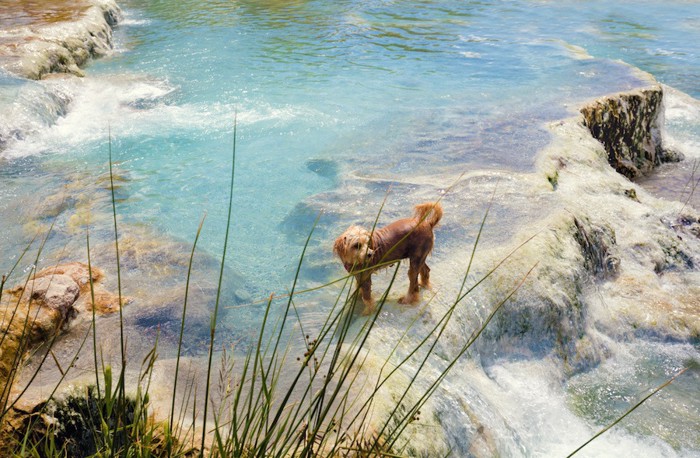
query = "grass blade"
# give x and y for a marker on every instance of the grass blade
(218, 290)
(629, 411)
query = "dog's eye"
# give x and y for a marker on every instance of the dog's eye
(357, 246)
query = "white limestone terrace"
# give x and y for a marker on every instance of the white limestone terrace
(37, 40)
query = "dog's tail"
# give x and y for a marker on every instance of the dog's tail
(431, 212)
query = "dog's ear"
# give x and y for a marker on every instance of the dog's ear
(339, 246)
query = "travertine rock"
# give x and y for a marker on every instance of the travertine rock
(628, 125)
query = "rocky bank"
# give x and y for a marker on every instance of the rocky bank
(37, 311)
(36, 50)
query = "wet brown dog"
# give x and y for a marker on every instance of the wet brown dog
(411, 238)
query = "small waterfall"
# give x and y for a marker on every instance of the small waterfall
(613, 293)
(34, 107)
(40, 51)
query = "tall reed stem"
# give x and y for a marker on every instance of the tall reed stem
(218, 291)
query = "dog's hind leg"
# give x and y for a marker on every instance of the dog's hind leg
(425, 275)
(411, 296)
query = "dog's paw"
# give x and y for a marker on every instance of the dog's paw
(408, 299)
(368, 307)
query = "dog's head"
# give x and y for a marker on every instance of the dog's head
(353, 247)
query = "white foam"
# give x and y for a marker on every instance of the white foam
(682, 114)
(529, 395)
(95, 104)
(29, 108)
(130, 20)
(476, 39)
(132, 106)
(679, 105)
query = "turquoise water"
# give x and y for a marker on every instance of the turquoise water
(401, 88)
(336, 103)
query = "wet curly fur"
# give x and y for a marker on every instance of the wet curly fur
(363, 252)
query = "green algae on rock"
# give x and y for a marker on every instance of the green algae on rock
(628, 125)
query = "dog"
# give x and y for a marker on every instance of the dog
(363, 252)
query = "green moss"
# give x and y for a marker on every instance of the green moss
(79, 424)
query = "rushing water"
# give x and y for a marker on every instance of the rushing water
(336, 103)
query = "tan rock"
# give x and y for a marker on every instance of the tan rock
(35, 311)
(59, 46)
(57, 292)
(78, 271)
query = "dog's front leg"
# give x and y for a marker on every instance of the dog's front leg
(365, 282)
